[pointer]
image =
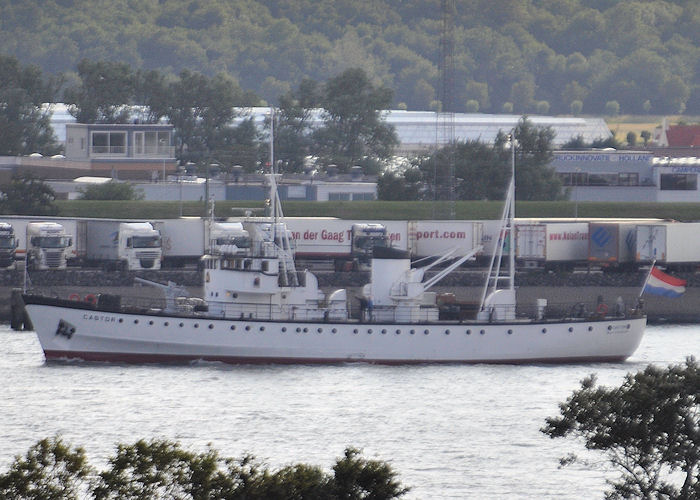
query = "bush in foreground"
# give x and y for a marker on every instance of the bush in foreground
(160, 469)
(648, 428)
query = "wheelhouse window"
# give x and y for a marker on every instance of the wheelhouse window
(679, 182)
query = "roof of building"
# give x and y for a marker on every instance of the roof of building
(422, 129)
(683, 135)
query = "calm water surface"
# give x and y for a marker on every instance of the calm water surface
(450, 431)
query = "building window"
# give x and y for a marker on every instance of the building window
(679, 182)
(338, 196)
(362, 196)
(157, 143)
(602, 179)
(574, 178)
(628, 179)
(109, 143)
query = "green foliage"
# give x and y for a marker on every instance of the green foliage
(353, 126)
(111, 190)
(648, 428)
(27, 195)
(161, 469)
(593, 51)
(25, 126)
(50, 470)
(104, 92)
(534, 178)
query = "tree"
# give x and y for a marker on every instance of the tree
(356, 478)
(158, 469)
(534, 178)
(648, 427)
(25, 125)
(50, 470)
(111, 190)
(202, 110)
(161, 469)
(406, 185)
(481, 171)
(293, 125)
(353, 125)
(104, 94)
(27, 195)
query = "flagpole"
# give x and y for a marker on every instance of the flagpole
(653, 263)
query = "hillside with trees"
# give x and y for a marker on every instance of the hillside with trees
(521, 56)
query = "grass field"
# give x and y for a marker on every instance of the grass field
(384, 210)
(621, 125)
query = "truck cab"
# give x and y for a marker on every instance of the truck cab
(139, 245)
(229, 238)
(8, 246)
(48, 245)
(364, 237)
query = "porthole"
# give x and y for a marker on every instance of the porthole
(211, 326)
(233, 327)
(334, 330)
(468, 332)
(369, 331)
(166, 324)
(354, 330)
(121, 320)
(306, 329)
(510, 331)
(447, 332)
(298, 329)
(544, 330)
(426, 332)
(196, 325)
(247, 328)
(136, 322)
(590, 328)
(262, 328)
(181, 325)
(383, 331)
(412, 332)
(609, 327)
(320, 330)
(571, 329)
(150, 322)
(398, 332)
(482, 332)
(284, 329)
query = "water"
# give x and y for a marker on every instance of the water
(450, 431)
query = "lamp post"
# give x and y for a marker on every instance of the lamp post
(576, 175)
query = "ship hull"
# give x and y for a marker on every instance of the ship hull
(69, 330)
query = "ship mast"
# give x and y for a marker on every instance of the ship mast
(506, 234)
(281, 241)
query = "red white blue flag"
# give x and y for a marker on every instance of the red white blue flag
(660, 283)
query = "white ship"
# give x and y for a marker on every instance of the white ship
(257, 308)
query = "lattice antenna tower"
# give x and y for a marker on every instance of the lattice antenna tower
(445, 174)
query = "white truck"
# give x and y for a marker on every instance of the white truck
(346, 243)
(675, 245)
(227, 238)
(113, 244)
(8, 246)
(551, 245)
(48, 245)
(186, 239)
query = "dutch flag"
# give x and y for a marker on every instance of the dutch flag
(660, 283)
